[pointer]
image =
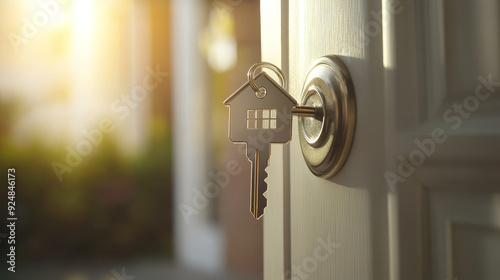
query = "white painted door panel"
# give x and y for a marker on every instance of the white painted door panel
(350, 211)
(442, 55)
(419, 196)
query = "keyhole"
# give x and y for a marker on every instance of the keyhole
(313, 127)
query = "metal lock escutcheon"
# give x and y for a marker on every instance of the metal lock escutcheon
(326, 140)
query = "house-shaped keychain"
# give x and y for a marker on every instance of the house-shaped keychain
(261, 112)
(267, 117)
(260, 118)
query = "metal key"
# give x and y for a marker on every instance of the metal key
(260, 161)
(258, 116)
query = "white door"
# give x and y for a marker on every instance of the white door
(419, 196)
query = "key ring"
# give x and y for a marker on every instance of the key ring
(261, 92)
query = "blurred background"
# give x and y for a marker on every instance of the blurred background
(111, 113)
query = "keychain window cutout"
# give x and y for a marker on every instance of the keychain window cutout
(261, 119)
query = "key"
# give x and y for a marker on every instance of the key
(260, 118)
(260, 160)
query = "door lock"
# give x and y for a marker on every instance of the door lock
(261, 114)
(327, 138)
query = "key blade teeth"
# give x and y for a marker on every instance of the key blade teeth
(264, 174)
(262, 207)
(262, 204)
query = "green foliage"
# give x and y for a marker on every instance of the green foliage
(109, 207)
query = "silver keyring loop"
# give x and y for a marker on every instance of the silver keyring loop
(251, 77)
